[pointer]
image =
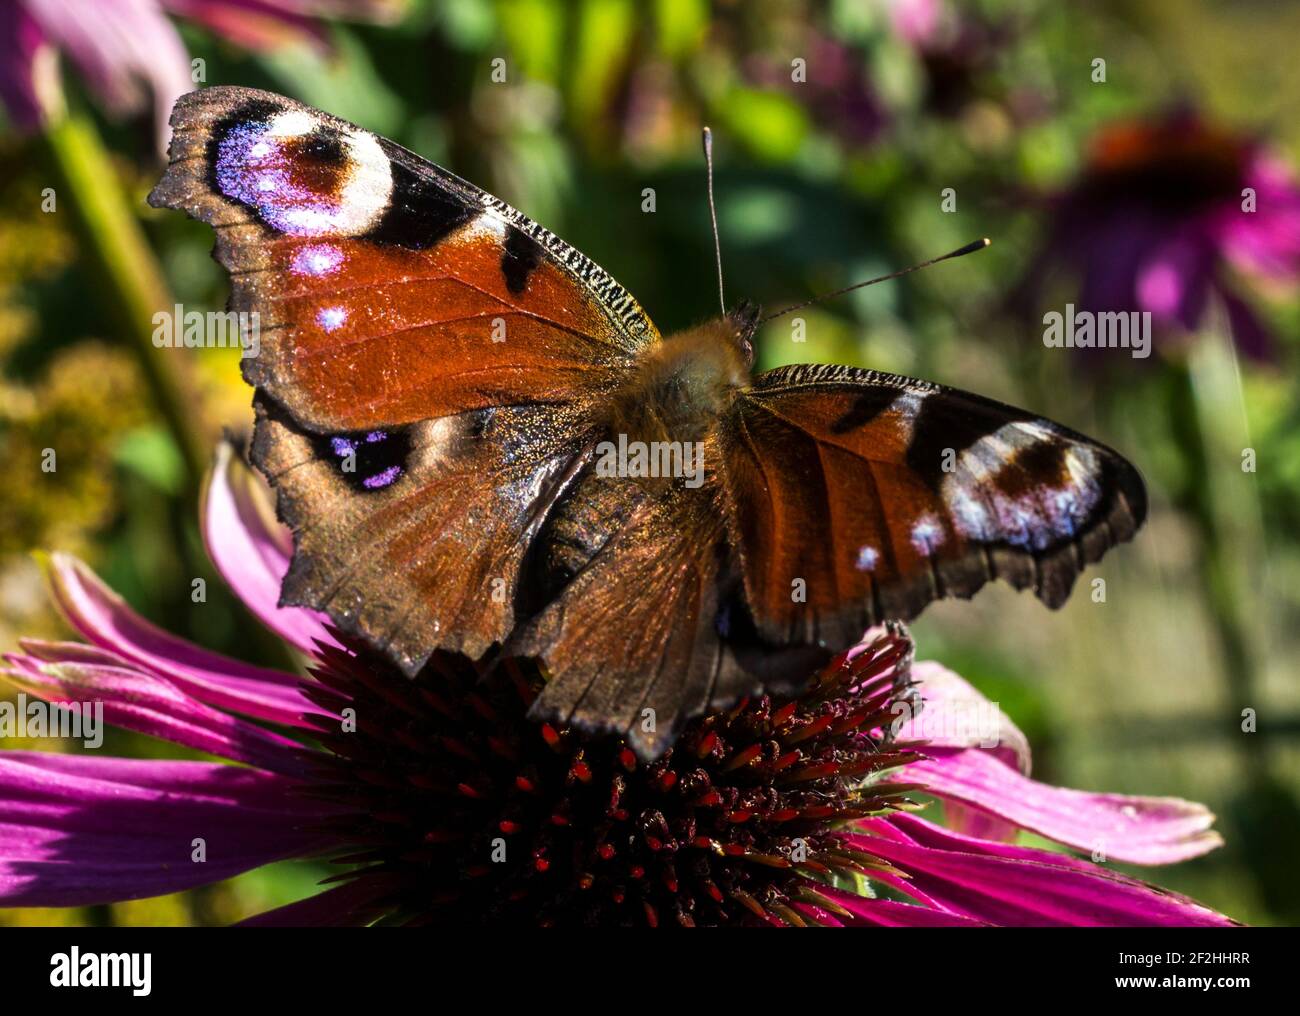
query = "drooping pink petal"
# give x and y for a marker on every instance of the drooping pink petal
(72, 652)
(892, 913)
(104, 618)
(134, 699)
(1265, 241)
(252, 551)
(1019, 886)
(1109, 246)
(77, 830)
(918, 22)
(265, 24)
(980, 761)
(1141, 830)
(1175, 280)
(957, 715)
(980, 824)
(254, 24)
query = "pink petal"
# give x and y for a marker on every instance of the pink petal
(918, 22)
(136, 700)
(253, 24)
(1141, 830)
(103, 618)
(1265, 242)
(976, 823)
(1018, 886)
(251, 550)
(893, 914)
(1174, 281)
(957, 715)
(78, 831)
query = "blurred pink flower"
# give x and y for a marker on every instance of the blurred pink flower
(917, 21)
(129, 52)
(1166, 212)
(758, 815)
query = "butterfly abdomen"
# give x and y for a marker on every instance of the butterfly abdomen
(655, 437)
(578, 527)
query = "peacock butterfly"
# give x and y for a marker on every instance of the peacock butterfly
(464, 419)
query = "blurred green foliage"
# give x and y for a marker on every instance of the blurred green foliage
(820, 183)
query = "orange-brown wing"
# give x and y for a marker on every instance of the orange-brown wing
(386, 290)
(433, 558)
(857, 496)
(429, 362)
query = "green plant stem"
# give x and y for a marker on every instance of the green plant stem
(1226, 598)
(132, 287)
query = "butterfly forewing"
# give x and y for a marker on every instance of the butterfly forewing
(386, 289)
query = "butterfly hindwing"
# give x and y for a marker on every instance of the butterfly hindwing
(431, 556)
(858, 496)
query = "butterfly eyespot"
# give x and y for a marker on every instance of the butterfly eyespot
(867, 558)
(927, 535)
(298, 173)
(332, 318)
(367, 461)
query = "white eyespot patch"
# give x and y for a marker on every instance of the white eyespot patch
(996, 494)
(305, 177)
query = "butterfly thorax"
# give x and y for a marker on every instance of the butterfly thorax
(657, 432)
(682, 385)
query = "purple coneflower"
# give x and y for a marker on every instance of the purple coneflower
(442, 802)
(1164, 214)
(122, 47)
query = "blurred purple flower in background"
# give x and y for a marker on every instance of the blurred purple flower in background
(1164, 214)
(840, 97)
(130, 53)
(959, 50)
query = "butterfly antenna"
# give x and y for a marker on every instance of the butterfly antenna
(970, 248)
(713, 216)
